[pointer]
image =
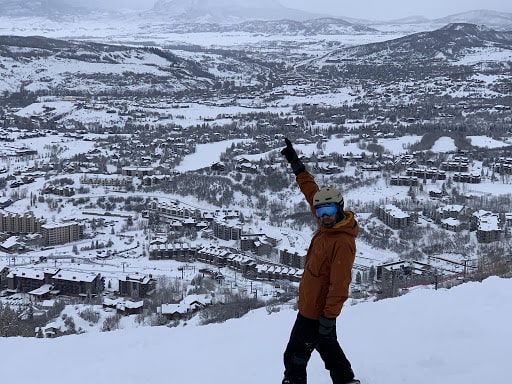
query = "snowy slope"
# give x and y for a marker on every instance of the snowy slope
(457, 336)
(224, 11)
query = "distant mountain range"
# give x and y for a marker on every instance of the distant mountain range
(447, 43)
(51, 9)
(40, 8)
(225, 12)
(239, 14)
(55, 65)
(496, 20)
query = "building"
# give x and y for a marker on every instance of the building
(455, 211)
(404, 181)
(57, 233)
(466, 177)
(78, 283)
(107, 181)
(124, 307)
(426, 173)
(260, 244)
(242, 263)
(188, 306)
(487, 225)
(5, 202)
(394, 216)
(138, 171)
(60, 191)
(214, 255)
(175, 251)
(20, 223)
(137, 285)
(457, 165)
(292, 259)
(173, 210)
(227, 230)
(452, 224)
(51, 233)
(403, 274)
(25, 280)
(44, 292)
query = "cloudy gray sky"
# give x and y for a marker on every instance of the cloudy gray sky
(392, 9)
(370, 9)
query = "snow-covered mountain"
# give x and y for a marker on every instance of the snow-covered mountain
(493, 19)
(224, 11)
(211, 13)
(51, 9)
(51, 64)
(501, 21)
(438, 47)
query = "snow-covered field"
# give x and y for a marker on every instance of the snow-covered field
(455, 336)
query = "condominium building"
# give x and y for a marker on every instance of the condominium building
(61, 233)
(20, 223)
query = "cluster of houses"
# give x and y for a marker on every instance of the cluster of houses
(489, 226)
(224, 224)
(44, 285)
(185, 308)
(59, 191)
(218, 256)
(459, 166)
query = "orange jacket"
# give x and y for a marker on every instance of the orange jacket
(325, 282)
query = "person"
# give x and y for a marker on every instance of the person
(324, 285)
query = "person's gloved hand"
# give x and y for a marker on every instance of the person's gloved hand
(326, 326)
(289, 152)
(291, 156)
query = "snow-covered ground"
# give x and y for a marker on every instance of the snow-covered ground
(455, 336)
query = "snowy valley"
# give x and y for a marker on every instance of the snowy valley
(144, 197)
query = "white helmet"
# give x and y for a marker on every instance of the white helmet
(328, 195)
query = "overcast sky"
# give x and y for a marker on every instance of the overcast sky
(393, 9)
(369, 9)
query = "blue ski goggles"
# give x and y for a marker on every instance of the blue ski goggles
(328, 209)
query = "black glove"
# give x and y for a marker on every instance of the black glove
(326, 326)
(291, 156)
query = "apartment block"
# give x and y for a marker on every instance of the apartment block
(59, 233)
(20, 223)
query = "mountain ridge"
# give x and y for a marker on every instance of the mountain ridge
(449, 41)
(52, 64)
(208, 12)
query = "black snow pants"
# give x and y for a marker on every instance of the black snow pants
(304, 339)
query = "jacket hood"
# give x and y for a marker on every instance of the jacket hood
(348, 225)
